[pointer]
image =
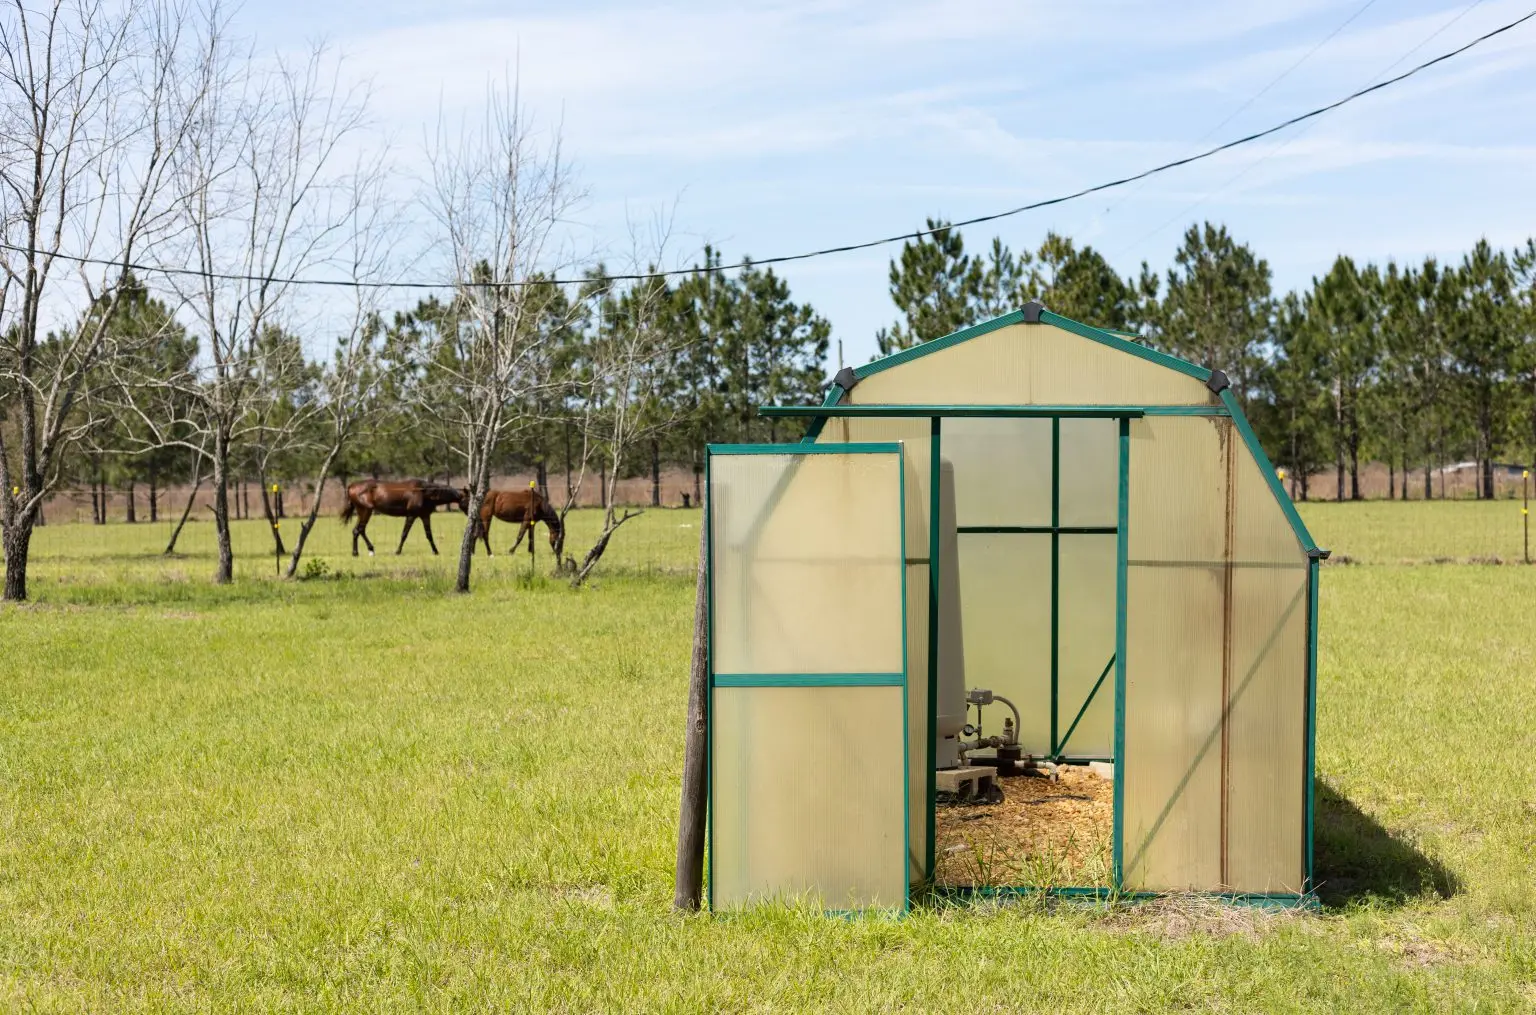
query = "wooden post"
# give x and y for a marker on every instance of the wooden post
(689, 888)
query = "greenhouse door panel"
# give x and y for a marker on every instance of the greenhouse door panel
(808, 726)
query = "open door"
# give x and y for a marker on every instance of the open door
(809, 789)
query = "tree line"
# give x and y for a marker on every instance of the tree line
(1412, 365)
(145, 132)
(141, 132)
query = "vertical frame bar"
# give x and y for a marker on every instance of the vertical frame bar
(1310, 774)
(1055, 577)
(709, 684)
(906, 683)
(1122, 548)
(934, 479)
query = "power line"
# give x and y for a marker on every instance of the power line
(825, 251)
(1256, 96)
(1277, 149)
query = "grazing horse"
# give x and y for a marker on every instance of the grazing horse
(409, 499)
(525, 507)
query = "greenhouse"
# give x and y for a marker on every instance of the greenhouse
(1027, 609)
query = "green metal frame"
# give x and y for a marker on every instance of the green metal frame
(1261, 900)
(988, 411)
(739, 680)
(935, 480)
(853, 448)
(1309, 772)
(1055, 576)
(1061, 747)
(1122, 546)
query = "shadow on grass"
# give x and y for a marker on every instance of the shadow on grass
(1357, 860)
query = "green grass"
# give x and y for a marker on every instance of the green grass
(1383, 532)
(365, 793)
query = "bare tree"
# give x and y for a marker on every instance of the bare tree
(499, 193)
(93, 115)
(627, 362)
(261, 200)
(349, 386)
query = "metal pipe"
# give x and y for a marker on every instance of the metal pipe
(1017, 721)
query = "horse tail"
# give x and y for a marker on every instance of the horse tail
(346, 512)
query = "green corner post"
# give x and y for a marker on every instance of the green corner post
(1310, 775)
(1055, 579)
(1122, 546)
(934, 479)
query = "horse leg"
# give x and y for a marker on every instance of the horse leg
(521, 529)
(362, 530)
(485, 534)
(426, 526)
(409, 521)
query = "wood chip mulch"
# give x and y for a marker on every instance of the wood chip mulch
(1044, 833)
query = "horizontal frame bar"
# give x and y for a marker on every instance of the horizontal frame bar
(880, 448)
(1044, 411)
(1040, 530)
(1300, 565)
(1264, 900)
(809, 680)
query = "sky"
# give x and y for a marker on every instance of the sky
(787, 125)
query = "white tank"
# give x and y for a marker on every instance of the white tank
(951, 697)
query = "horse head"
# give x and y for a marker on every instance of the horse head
(463, 498)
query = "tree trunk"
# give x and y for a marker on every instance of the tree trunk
(688, 887)
(268, 509)
(18, 542)
(133, 514)
(95, 503)
(1305, 484)
(1391, 478)
(226, 569)
(1339, 465)
(154, 496)
(314, 512)
(570, 489)
(197, 482)
(479, 486)
(17, 545)
(655, 473)
(1429, 479)
(610, 526)
(1488, 478)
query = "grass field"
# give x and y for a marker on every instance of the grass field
(365, 793)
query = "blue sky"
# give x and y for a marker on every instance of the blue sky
(774, 127)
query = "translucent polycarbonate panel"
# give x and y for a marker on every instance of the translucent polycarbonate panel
(1090, 472)
(917, 714)
(1086, 643)
(1030, 364)
(807, 563)
(1178, 488)
(1266, 730)
(1261, 530)
(1005, 586)
(1173, 704)
(1002, 470)
(915, 441)
(807, 796)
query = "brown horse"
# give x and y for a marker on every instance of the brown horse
(525, 507)
(409, 499)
